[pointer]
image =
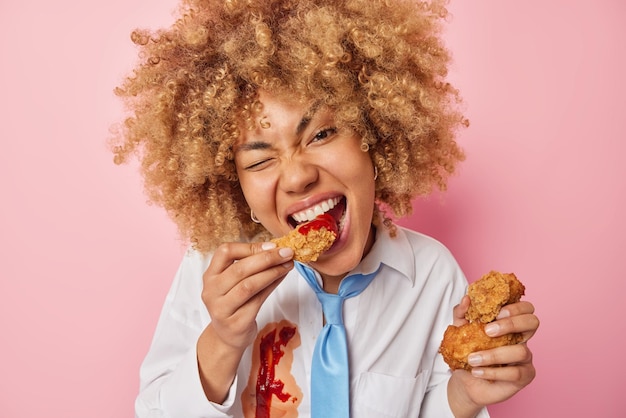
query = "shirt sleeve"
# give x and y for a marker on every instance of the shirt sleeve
(170, 384)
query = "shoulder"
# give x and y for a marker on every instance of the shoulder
(424, 246)
(418, 257)
(188, 280)
(193, 264)
(433, 260)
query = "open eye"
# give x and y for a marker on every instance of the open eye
(323, 134)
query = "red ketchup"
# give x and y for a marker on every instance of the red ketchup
(267, 385)
(321, 221)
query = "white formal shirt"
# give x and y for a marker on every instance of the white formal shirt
(394, 329)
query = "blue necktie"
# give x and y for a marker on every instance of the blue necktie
(330, 375)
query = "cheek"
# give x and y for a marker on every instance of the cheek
(363, 177)
(258, 192)
(357, 173)
(358, 170)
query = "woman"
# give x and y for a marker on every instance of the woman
(251, 117)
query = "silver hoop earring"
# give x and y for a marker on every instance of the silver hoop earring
(375, 173)
(254, 218)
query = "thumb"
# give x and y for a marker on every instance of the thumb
(459, 311)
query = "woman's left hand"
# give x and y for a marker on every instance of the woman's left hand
(498, 373)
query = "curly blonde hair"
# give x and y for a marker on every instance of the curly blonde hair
(380, 65)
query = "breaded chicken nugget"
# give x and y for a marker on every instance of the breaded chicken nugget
(490, 293)
(487, 296)
(311, 239)
(459, 342)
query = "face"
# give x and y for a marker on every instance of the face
(298, 163)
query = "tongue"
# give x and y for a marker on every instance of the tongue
(321, 221)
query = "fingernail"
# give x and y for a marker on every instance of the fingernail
(474, 359)
(268, 246)
(478, 372)
(504, 313)
(492, 329)
(285, 252)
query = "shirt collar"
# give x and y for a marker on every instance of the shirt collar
(394, 252)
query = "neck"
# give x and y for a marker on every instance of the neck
(330, 284)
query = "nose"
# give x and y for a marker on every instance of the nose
(298, 175)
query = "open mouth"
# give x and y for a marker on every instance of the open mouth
(335, 207)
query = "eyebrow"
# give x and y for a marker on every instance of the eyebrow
(302, 125)
(251, 146)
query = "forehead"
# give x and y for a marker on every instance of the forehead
(279, 114)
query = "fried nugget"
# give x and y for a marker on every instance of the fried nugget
(490, 293)
(487, 296)
(459, 342)
(311, 239)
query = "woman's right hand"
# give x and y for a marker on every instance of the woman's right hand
(238, 280)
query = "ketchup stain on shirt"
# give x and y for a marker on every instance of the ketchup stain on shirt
(272, 390)
(267, 385)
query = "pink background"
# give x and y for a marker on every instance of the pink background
(85, 263)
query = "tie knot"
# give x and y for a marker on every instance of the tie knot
(332, 305)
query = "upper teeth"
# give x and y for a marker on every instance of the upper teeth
(311, 213)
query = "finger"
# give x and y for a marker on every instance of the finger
(221, 276)
(520, 375)
(506, 355)
(227, 253)
(459, 311)
(233, 289)
(252, 305)
(253, 285)
(518, 308)
(525, 324)
(248, 310)
(233, 315)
